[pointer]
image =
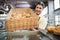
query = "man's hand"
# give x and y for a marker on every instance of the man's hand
(35, 29)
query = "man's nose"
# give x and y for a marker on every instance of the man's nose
(38, 9)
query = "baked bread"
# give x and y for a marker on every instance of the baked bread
(57, 30)
(50, 28)
(20, 19)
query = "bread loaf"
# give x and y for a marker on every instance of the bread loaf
(50, 28)
(20, 19)
(55, 30)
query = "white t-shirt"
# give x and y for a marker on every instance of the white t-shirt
(43, 19)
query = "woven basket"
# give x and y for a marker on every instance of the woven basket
(20, 19)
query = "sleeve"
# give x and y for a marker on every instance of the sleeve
(42, 23)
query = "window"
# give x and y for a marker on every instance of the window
(57, 19)
(56, 4)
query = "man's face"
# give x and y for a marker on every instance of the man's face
(38, 9)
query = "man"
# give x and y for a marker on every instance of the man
(42, 19)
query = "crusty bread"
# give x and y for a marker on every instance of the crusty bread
(50, 28)
(57, 30)
(21, 18)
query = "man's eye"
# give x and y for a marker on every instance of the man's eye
(37, 7)
(40, 8)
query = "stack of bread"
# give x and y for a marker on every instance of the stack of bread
(20, 19)
(55, 30)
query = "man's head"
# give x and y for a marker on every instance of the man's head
(39, 7)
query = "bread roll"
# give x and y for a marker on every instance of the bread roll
(57, 30)
(50, 28)
(21, 18)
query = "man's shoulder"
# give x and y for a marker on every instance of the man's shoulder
(43, 18)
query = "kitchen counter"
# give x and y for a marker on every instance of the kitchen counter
(43, 35)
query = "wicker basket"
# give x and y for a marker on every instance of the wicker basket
(20, 19)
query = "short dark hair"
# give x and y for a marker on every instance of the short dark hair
(40, 3)
(35, 3)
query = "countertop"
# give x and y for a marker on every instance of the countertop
(43, 35)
